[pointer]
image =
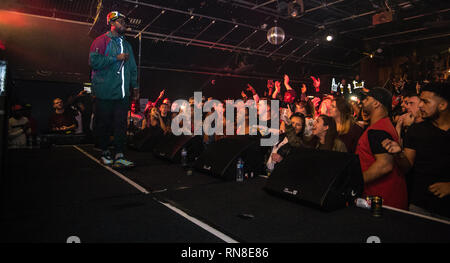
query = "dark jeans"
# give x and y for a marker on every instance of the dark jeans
(111, 117)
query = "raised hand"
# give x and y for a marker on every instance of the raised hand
(250, 88)
(316, 82)
(161, 94)
(277, 86)
(440, 189)
(270, 84)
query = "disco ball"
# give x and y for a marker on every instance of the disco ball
(275, 35)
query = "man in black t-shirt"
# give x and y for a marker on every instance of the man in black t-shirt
(427, 152)
(62, 120)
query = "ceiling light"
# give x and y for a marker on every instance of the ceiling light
(275, 35)
(294, 13)
(329, 38)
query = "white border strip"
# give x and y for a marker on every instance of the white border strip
(123, 177)
(416, 214)
(197, 222)
(201, 224)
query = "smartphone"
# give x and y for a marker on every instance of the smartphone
(87, 89)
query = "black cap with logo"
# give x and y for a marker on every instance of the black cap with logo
(382, 95)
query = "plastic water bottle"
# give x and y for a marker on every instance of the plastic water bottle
(184, 157)
(240, 170)
(363, 203)
(29, 142)
(38, 141)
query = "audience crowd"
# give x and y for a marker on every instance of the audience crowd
(400, 134)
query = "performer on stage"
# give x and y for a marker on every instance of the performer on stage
(113, 72)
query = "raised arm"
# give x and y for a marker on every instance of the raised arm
(286, 82)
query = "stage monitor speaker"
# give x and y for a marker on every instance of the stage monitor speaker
(145, 140)
(170, 147)
(323, 179)
(220, 158)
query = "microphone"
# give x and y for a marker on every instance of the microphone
(121, 66)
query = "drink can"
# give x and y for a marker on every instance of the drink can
(376, 206)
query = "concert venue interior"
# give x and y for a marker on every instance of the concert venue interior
(103, 110)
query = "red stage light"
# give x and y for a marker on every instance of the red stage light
(9, 18)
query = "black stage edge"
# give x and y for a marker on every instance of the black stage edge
(53, 194)
(274, 219)
(60, 192)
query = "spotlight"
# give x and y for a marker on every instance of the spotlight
(294, 13)
(295, 8)
(329, 37)
(371, 55)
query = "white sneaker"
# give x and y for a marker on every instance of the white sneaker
(106, 158)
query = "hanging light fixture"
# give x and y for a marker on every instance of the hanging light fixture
(275, 35)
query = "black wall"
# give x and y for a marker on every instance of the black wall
(49, 59)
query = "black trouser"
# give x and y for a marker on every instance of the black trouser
(111, 115)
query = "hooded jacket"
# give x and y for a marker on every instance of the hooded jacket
(109, 80)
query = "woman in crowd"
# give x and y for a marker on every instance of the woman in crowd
(348, 131)
(152, 119)
(292, 138)
(325, 106)
(307, 109)
(326, 135)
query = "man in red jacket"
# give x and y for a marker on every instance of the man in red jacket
(382, 177)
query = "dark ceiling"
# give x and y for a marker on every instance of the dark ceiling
(241, 26)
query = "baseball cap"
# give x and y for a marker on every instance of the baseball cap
(114, 15)
(17, 107)
(382, 95)
(440, 89)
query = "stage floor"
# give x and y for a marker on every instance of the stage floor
(52, 194)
